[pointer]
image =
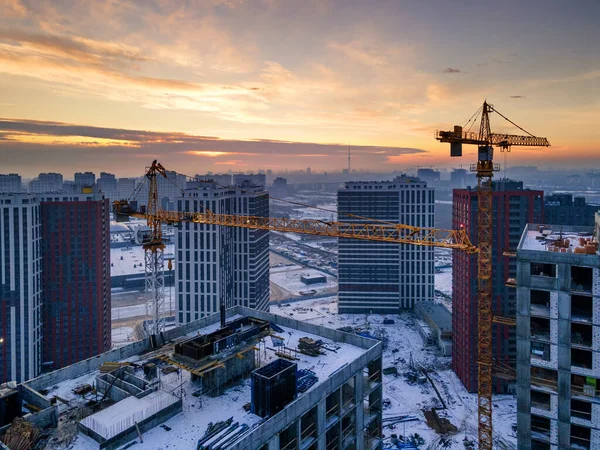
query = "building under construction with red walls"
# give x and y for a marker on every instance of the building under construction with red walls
(513, 208)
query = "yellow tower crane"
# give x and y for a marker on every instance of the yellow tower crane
(484, 169)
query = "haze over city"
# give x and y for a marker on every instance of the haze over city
(299, 224)
(244, 85)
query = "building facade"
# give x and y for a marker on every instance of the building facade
(107, 183)
(10, 183)
(76, 277)
(562, 209)
(513, 208)
(558, 344)
(215, 263)
(125, 187)
(46, 182)
(85, 178)
(20, 288)
(380, 277)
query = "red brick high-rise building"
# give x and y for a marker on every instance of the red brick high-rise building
(513, 208)
(75, 277)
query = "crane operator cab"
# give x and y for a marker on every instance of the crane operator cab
(122, 209)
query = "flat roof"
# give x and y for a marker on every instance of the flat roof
(546, 237)
(439, 314)
(199, 409)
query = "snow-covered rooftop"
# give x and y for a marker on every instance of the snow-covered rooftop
(557, 238)
(123, 260)
(199, 409)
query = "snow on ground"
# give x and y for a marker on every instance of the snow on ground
(290, 279)
(443, 281)
(122, 336)
(404, 341)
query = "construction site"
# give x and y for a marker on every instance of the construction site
(253, 380)
(262, 381)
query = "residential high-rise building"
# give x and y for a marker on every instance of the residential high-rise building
(280, 187)
(20, 287)
(429, 176)
(558, 344)
(46, 182)
(251, 258)
(513, 208)
(107, 183)
(125, 187)
(381, 277)
(562, 209)
(258, 179)
(76, 277)
(458, 178)
(85, 178)
(10, 183)
(221, 263)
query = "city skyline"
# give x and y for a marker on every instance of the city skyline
(244, 85)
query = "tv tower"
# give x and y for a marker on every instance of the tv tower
(349, 158)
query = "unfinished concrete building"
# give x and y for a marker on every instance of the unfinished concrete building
(558, 338)
(261, 382)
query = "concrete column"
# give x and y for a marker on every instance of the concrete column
(564, 356)
(360, 418)
(321, 424)
(274, 443)
(523, 356)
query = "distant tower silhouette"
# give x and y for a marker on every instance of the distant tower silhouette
(349, 159)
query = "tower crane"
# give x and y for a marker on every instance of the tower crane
(484, 169)
(155, 217)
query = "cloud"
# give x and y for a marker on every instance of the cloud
(12, 8)
(52, 144)
(215, 154)
(451, 70)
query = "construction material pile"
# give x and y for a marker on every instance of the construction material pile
(221, 434)
(310, 347)
(21, 435)
(305, 379)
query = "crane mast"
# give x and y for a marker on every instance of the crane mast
(484, 169)
(154, 248)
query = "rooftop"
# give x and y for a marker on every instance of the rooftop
(439, 314)
(559, 239)
(199, 407)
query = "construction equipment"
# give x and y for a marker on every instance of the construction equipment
(154, 246)
(485, 168)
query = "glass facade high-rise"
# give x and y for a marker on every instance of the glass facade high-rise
(215, 263)
(381, 277)
(20, 287)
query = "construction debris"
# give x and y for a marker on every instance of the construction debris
(310, 347)
(21, 435)
(82, 389)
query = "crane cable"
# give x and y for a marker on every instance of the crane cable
(508, 120)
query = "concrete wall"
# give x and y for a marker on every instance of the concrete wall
(560, 338)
